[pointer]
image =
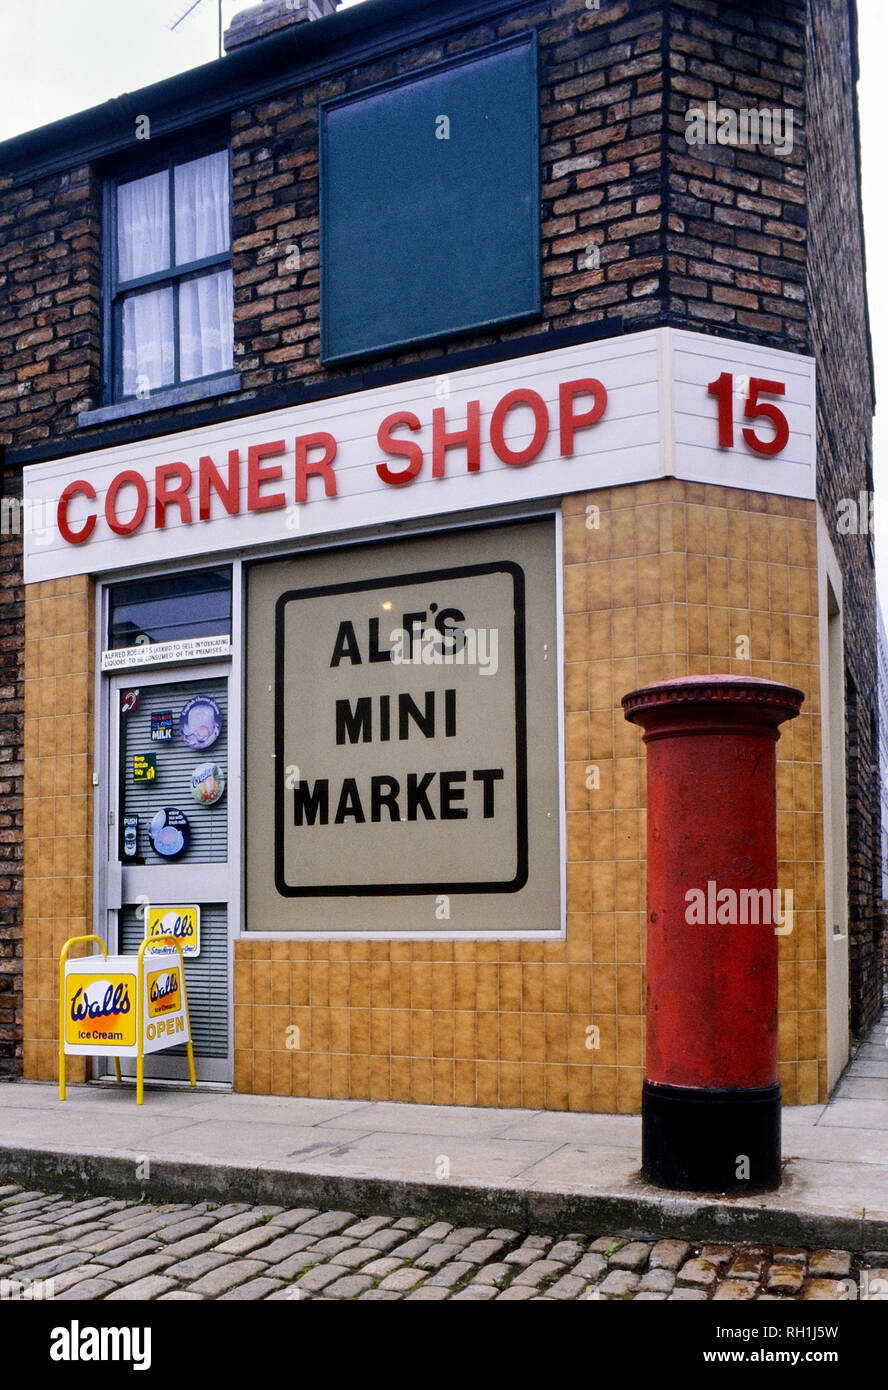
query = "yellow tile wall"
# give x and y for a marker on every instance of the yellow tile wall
(668, 583)
(58, 805)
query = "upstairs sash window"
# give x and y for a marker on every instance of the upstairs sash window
(173, 294)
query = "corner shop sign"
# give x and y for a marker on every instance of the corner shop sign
(570, 420)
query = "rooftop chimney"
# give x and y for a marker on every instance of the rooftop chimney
(271, 16)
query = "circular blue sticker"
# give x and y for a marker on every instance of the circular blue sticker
(200, 722)
(169, 832)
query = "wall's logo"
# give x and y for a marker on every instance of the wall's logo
(164, 993)
(99, 1009)
(181, 922)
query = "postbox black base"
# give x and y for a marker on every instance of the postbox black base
(707, 1140)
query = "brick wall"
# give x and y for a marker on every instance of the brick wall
(600, 117)
(49, 362)
(50, 305)
(11, 766)
(736, 234)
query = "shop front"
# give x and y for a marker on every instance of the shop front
(332, 693)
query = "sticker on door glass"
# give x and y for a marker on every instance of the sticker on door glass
(144, 767)
(130, 836)
(162, 726)
(169, 832)
(207, 783)
(200, 722)
(182, 922)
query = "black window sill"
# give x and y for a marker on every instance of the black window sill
(162, 400)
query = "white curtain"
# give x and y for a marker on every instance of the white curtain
(143, 226)
(206, 328)
(148, 358)
(202, 219)
(202, 228)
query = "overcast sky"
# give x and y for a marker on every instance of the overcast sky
(61, 56)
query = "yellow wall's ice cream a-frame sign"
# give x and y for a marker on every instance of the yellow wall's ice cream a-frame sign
(127, 1007)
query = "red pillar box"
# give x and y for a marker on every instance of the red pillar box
(711, 1099)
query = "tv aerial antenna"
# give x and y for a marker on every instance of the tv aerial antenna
(191, 9)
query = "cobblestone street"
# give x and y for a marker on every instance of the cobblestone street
(101, 1248)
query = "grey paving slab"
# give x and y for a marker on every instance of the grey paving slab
(584, 1166)
(78, 1132)
(857, 1114)
(406, 1156)
(253, 1143)
(837, 1142)
(305, 1110)
(875, 1066)
(425, 1119)
(856, 1087)
(621, 1131)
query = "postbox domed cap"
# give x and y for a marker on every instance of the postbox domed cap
(751, 698)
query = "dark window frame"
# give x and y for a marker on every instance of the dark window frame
(127, 170)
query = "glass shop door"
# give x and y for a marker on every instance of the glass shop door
(168, 842)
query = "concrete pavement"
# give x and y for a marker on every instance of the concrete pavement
(526, 1170)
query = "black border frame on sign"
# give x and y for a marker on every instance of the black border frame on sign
(350, 890)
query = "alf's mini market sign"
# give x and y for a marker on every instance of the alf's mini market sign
(412, 726)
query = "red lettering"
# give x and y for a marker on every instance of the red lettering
(402, 448)
(65, 530)
(521, 396)
(131, 479)
(306, 468)
(470, 437)
(177, 496)
(569, 422)
(257, 475)
(209, 477)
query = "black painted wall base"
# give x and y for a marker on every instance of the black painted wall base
(702, 1140)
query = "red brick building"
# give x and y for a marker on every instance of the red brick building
(324, 315)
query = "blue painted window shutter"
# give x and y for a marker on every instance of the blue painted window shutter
(430, 203)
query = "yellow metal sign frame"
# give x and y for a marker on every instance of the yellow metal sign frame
(148, 944)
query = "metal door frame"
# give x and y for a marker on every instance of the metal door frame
(106, 733)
